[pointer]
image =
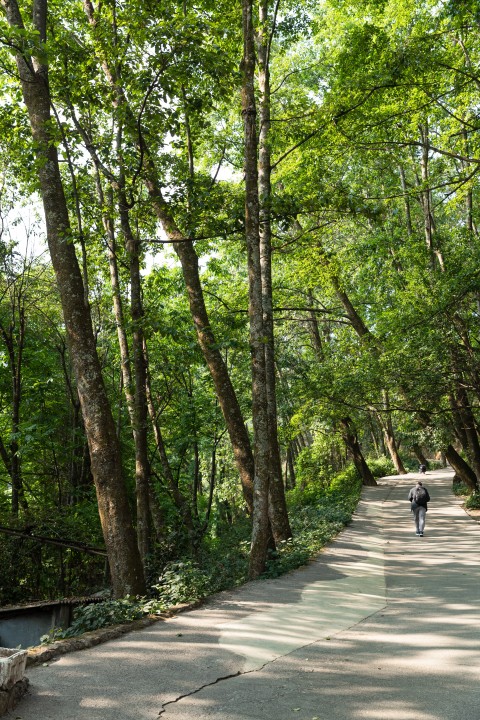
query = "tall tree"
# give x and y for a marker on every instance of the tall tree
(125, 565)
(260, 529)
(277, 504)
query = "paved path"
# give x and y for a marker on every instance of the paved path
(382, 626)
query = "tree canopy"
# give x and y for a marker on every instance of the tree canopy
(263, 249)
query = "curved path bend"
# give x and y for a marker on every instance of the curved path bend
(383, 625)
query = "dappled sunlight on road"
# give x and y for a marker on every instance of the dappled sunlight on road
(410, 660)
(399, 711)
(354, 590)
(382, 625)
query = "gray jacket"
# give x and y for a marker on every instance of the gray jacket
(411, 496)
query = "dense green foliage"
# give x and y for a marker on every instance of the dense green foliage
(375, 225)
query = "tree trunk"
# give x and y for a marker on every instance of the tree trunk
(462, 469)
(408, 213)
(426, 201)
(393, 450)
(134, 390)
(260, 528)
(419, 455)
(314, 330)
(355, 319)
(385, 420)
(224, 389)
(140, 426)
(16, 474)
(290, 468)
(15, 345)
(180, 501)
(351, 441)
(125, 564)
(469, 426)
(277, 503)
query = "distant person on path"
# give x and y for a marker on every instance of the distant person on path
(422, 469)
(419, 498)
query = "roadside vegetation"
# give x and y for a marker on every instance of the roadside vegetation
(318, 515)
(239, 252)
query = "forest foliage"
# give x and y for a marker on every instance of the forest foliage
(273, 209)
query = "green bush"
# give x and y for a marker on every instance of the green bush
(459, 488)
(182, 582)
(436, 465)
(381, 466)
(98, 615)
(473, 501)
(345, 483)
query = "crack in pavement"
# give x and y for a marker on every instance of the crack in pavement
(194, 692)
(239, 673)
(258, 636)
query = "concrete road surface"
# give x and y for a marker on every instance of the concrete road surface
(383, 625)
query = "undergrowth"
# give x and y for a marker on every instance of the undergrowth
(318, 511)
(472, 499)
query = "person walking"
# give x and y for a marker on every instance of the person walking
(419, 497)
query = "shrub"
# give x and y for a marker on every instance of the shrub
(381, 466)
(459, 488)
(98, 615)
(345, 483)
(473, 501)
(182, 582)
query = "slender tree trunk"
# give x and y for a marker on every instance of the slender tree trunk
(385, 420)
(15, 346)
(351, 442)
(125, 564)
(374, 425)
(393, 450)
(108, 226)
(213, 474)
(408, 213)
(291, 468)
(140, 426)
(277, 504)
(462, 469)
(134, 389)
(355, 319)
(79, 472)
(225, 392)
(17, 484)
(314, 330)
(180, 501)
(196, 478)
(469, 426)
(419, 455)
(260, 528)
(14, 337)
(426, 201)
